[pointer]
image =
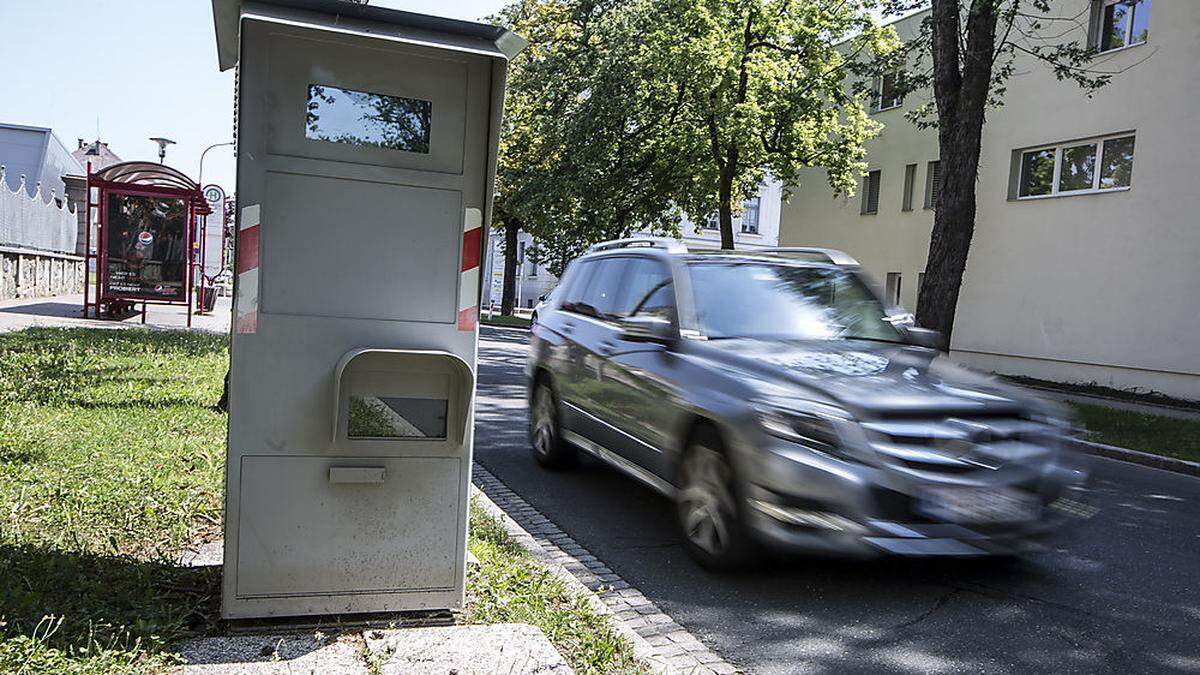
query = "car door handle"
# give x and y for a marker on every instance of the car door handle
(606, 348)
(568, 328)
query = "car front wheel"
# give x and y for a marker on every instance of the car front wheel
(549, 448)
(708, 510)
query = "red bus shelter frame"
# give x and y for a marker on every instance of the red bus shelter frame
(141, 179)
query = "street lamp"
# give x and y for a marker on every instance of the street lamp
(214, 145)
(162, 147)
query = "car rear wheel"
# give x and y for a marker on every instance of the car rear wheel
(708, 510)
(549, 448)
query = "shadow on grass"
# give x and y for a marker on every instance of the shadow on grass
(114, 602)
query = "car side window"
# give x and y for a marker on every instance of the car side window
(648, 290)
(595, 293)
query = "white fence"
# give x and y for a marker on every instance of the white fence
(34, 223)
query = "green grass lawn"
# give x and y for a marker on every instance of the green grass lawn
(509, 586)
(111, 462)
(1149, 433)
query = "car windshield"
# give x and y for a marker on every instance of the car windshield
(785, 302)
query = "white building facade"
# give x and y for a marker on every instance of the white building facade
(757, 227)
(1084, 264)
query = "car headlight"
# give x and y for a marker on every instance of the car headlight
(812, 425)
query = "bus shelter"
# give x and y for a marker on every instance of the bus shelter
(145, 225)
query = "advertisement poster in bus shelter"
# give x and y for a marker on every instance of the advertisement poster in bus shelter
(146, 248)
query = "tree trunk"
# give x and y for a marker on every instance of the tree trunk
(961, 100)
(508, 298)
(950, 242)
(725, 209)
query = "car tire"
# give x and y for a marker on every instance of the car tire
(545, 434)
(708, 508)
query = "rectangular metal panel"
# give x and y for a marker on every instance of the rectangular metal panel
(357, 249)
(302, 534)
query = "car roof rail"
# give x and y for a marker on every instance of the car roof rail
(668, 245)
(833, 255)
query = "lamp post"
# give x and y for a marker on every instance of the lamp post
(162, 147)
(214, 145)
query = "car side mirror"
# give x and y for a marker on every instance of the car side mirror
(923, 337)
(648, 328)
(899, 317)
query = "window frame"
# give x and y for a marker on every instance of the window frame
(867, 209)
(910, 182)
(1097, 142)
(757, 201)
(933, 183)
(877, 102)
(1098, 25)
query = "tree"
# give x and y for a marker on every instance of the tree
(586, 151)
(762, 89)
(972, 51)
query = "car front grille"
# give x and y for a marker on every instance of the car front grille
(956, 445)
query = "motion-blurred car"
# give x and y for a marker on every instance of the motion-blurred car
(777, 401)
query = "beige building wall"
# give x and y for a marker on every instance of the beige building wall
(1101, 287)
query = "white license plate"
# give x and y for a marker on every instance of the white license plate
(980, 505)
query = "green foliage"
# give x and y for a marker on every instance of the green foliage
(509, 585)
(763, 88)
(620, 114)
(110, 461)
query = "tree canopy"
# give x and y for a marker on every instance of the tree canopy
(622, 114)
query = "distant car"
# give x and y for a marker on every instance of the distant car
(777, 401)
(542, 301)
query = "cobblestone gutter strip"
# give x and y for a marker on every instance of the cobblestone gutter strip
(1138, 457)
(663, 645)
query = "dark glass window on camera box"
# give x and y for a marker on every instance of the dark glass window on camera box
(396, 417)
(361, 118)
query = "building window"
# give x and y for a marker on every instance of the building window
(1121, 23)
(1075, 168)
(885, 91)
(750, 216)
(910, 177)
(933, 183)
(713, 222)
(870, 198)
(893, 289)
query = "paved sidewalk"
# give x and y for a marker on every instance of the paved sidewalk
(66, 311)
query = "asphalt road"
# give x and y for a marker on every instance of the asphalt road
(1119, 592)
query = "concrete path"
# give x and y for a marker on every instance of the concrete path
(513, 649)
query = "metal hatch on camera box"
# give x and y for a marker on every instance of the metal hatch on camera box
(366, 144)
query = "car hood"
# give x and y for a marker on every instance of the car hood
(865, 377)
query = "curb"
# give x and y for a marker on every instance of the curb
(496, 326)
(1138, 457)
(657, 640)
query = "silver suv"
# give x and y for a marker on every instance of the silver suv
(776, 400)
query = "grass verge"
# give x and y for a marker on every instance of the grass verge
(510, 585)
(501, 320)
(110, 462)
(1167, 436)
